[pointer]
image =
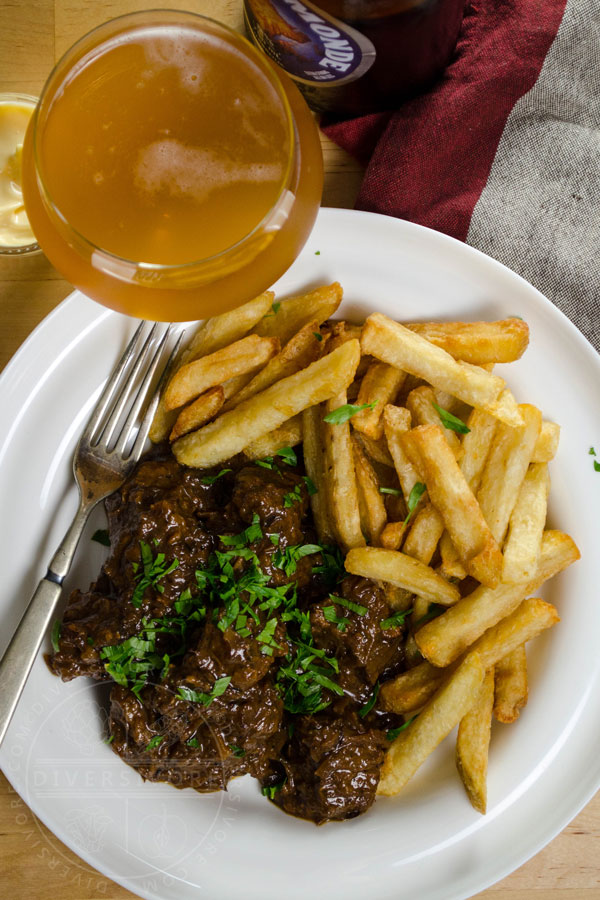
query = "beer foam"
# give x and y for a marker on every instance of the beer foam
(194, 172)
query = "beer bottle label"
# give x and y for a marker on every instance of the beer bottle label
(312, 46)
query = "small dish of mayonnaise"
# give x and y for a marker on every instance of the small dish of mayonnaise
(16, 236)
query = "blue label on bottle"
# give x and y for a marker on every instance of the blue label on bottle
(309, 44)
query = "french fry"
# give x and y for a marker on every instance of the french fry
(287, 435)
(420, 405)
(505, 469)
(373, 515)
(234, 430)
(213, 334)
(342, 332)
(473, 742)
(411, 689)
(445, 710)
(341, 476)
(546, 443)
(396, 422)
(397, 598)
(296, 312)
(377, 450)
(396, 345)
(527, 621)
(526, 527)
(314, 463)
(302, 349)
(454, 500)
(451, 566)
(476, 446)
(403, 571)
(393, 535)
(197, 413)
(228, 327)
(424, 534)
(192, 379)
(477, 342)
(510, 685)
(445, 638)
(379, 386)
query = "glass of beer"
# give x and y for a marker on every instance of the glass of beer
(168, 171)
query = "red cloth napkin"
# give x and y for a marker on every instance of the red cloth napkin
(429, 160)
(503, 151)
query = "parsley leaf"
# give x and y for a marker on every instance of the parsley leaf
(55, 635)
(219, 687)
(193, 742)
(343, 413)
(450, 421)
(366, 709)
(318, 335)
(210, 479)
(415, 495)
(156, 740)
(153, 571)
(394, 491)
(287, 559)
(349, 604)
(288, 455)
(292, 497)
(270, 790)
(310, 486)
(393, 733)
(331, 616)
(237, 751)
(591, 451)
(596, 466)
(101, 537)
(395, 620)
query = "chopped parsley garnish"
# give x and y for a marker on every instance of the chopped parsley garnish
(393, 733)
(266, 638)
(395, 620)
(270, 790)
(193, 742)
(366, 709)
(415, 495)
(344, 413)
(332, 570)
(596, 466)
(394, 491)
(132, 662)
(292, 497)
(252, 533)
(287, 559)
(156, 740)
(331, 616)
(110, 739)
(317, 252)
(276, 306)
(301, 678)
(287, 454)
(55, 635)
(310, 485)
(591, 451)
(450, 421)
(101, 537)
(154, 569)
(210, 479)
(434, 610)
(237, 751)
(318, 335)
(349, 604)
(219, 687)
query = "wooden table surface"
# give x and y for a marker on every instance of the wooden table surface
(34, 866)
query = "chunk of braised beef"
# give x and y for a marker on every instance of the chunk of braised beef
(332, 768)
(347, 633)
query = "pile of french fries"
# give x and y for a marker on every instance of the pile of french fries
(429, 474)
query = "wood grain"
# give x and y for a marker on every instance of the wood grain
(33, 864)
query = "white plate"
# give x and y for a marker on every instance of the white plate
(428, 842)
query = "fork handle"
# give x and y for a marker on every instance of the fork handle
(20, 654)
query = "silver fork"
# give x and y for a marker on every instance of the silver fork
(106, 454)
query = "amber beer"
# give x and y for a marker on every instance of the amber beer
(356, 56)
(169, 172)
